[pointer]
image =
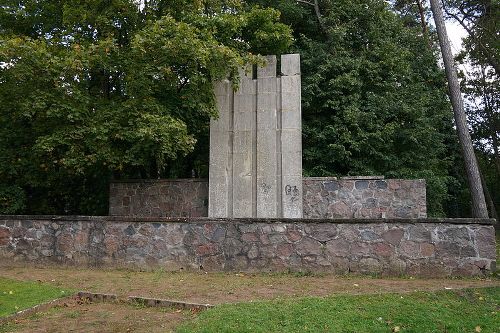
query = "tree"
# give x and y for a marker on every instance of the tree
(480, 18)
(373, 97)
(412, 11)
(481, 89)
(479, 208)
(95, 89)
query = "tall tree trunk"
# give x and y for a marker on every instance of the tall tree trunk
(489, 199)
(479, 208)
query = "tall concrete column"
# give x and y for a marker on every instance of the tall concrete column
(220, 199)
(267, 127)
(244, 159)
(291, 136)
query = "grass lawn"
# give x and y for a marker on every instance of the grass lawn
(19, 295)
(469, 310)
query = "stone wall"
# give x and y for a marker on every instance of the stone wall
(423, 247)
(326, 197)
(364, 197)
(161, 198)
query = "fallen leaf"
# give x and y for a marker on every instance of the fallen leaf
(477, 329)
(396, 329)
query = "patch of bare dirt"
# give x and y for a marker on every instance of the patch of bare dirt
(216, 288)
(75, 316)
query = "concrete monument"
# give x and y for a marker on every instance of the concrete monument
(256, 144)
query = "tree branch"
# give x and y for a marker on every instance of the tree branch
(317, 11)
(492, 61)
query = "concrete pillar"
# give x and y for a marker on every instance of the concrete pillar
(220, 199)
(243, 146)
(267, 127)
(291, 136)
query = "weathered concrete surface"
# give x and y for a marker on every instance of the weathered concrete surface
(267, 152)
(244, 141)
(221, 154)
(291, 137)
(256, 144)
(421, 247)
(349, 197)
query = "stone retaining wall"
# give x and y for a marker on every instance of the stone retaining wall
(159, 197)
(325, 197)
(424, 247)
(364, 197)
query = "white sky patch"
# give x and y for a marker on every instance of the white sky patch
(455, 34)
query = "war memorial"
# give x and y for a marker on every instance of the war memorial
(256, 212)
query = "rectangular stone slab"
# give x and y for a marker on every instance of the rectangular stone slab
(243, 147)
(221, 154)
(291, 137)
(267, 129)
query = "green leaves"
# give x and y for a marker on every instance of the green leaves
(94, 88)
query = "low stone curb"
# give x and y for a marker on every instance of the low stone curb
(35, 309)
(146, 301)
(97, 297)
(155, 302)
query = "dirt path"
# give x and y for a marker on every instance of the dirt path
(216, 288)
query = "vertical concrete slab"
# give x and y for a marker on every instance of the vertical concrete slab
(221, 149)
(243, 146)
(291, 137)
(267, 205)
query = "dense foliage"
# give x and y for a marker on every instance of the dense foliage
(95, 89)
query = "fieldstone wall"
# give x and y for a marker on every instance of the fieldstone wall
(159, 197)
(364, 197)
(323, 197)
(424, 247)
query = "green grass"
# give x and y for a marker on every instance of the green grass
(19, 295)
(471, 310)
